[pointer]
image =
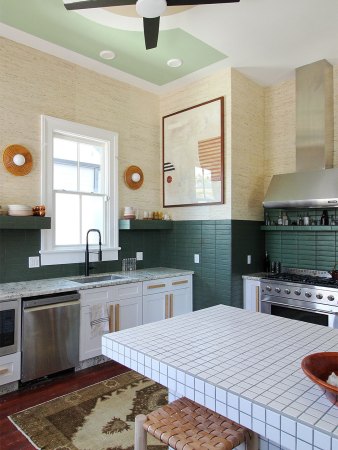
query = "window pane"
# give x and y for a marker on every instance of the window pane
(67, 219)
(92, 217)
(64, 149)
(91, 167)
(65, 177)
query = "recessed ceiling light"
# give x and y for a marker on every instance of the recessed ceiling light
(107, 54)
(174, 62)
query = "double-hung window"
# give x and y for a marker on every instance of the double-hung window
(79, 189)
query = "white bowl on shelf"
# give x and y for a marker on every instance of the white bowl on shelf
(19, 208)
(20, 212)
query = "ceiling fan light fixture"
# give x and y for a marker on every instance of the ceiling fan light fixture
(174, 62)
(107, 54)
(150, 8)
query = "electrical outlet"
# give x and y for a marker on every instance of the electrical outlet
(196, 258)
(139, 256)
(33, 261)
(248, 259)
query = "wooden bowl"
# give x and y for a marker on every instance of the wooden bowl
(318, 367)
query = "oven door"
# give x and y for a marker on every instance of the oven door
(304, 311)
(9, 327)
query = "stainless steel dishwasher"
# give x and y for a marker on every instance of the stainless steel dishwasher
(50, 334)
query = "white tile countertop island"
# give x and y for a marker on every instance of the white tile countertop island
(242, 364)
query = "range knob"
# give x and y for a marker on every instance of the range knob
(268, 288)
(330, 298)
(277, 289)
(287, 291)
(308, 294)
(297, 292)
(319, 296)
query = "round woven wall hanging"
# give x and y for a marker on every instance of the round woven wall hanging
(17, 160)
(133, 177)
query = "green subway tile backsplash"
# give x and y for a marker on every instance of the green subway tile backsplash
(223, 247)
(304, 247)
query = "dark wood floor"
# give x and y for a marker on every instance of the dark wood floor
(10, 437)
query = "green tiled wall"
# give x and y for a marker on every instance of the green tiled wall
(308, 250)
(223, 247)
(304, 249)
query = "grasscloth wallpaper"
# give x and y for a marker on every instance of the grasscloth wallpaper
(34, 83)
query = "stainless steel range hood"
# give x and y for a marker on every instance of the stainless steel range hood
(314, 189)
(315, 183)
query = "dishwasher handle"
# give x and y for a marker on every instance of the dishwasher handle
(52, 299)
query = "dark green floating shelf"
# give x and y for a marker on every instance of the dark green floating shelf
(145, 224)
(299, 228)
(24, 223)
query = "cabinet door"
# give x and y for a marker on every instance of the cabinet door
(155, 307)
(251, 292)
(93, 306)
(180, 302)
(126, 313)
(90, 336)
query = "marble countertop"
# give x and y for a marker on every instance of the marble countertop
(242, 364)
(255, 276)
(10, 291)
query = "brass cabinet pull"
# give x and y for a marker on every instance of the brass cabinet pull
(4, 371)
(166, 307)
(171, 313)
(175, 283)
(257, 298)
(155, 286)
(117, 317)
(111, 318)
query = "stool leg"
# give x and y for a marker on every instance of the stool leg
(140, 433)
(252, 444)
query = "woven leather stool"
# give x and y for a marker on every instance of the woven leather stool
(186, 425)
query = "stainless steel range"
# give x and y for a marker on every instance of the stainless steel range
(307, 295)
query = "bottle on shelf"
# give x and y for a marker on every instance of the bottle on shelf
(285, 219)
(324, 220)
(267, 219)
(280, 219)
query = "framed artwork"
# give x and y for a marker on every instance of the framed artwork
(193, 155)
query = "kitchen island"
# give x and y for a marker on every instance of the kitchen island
(241, 364)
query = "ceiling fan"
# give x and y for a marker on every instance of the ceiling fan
(149, 10)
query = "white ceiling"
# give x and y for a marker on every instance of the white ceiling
(264, 39)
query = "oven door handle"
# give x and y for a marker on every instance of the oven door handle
(319, 311)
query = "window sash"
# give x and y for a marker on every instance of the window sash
(52, 127)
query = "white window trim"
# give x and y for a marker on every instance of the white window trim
(51, 255)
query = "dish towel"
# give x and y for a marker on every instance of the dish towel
(99, 320)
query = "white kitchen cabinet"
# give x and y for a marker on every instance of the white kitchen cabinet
(10, 368)
(114, 308)
(166, 297)
(251, 294)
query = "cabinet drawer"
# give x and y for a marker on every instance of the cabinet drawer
(154, 286)
(129, 290)
(97, 295)
(10, 368)
(180, 282)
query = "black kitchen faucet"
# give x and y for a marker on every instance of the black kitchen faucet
(99, 252)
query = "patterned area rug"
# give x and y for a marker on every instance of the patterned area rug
(98, 417)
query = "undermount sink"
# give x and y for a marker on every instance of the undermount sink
(99, 278)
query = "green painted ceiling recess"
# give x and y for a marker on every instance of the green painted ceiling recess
(49, 20)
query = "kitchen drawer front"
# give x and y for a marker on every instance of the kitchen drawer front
(10, 368)
(97, 295)
(180, 282)
(155, 286)
(129, 290)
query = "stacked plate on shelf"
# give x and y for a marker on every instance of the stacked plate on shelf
(20, 210)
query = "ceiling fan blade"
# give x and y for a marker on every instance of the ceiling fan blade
(198, 2)
(97, 4)
(151, 29)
